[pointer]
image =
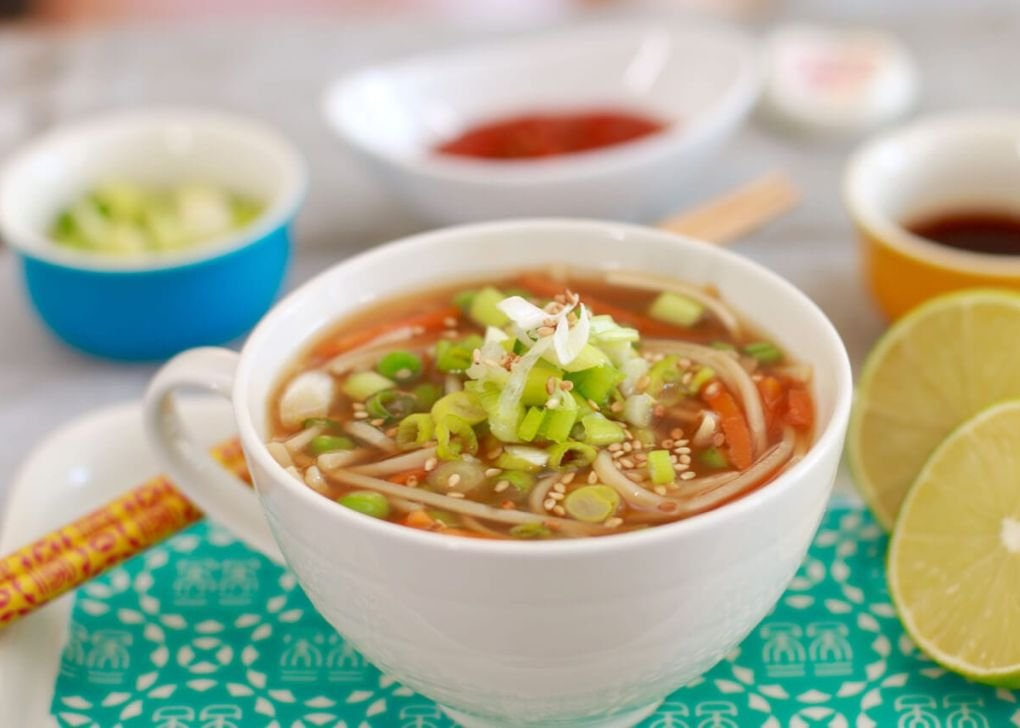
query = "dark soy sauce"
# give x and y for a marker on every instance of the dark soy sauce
(977, 232)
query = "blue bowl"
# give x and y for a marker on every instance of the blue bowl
(153, 306)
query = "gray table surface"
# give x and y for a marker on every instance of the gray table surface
(968, 53)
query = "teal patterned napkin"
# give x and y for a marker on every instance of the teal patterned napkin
(202, 633)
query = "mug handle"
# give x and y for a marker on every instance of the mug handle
(221, 495)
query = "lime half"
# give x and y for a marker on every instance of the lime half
(954, 558)
(934, 369)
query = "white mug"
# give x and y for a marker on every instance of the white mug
(590, 632)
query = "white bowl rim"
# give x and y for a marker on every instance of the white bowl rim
(566, 167)
(951, 128)
(828, 438)
(33, 244)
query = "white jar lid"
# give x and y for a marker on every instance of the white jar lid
(834, 81)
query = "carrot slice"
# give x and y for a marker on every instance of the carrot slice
(429, 321)
(547, 287)
(772, 393)
(423, 521)
(402, 478)
(799, 411)
(733, 423)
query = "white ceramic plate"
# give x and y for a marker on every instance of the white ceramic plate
(76, 469)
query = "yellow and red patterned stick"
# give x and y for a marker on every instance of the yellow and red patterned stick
(79, 551)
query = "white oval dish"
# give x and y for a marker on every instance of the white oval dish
(701, 78)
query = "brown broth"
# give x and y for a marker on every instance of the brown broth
(974, 231)
(677, 408)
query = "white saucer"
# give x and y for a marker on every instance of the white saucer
(73, 471)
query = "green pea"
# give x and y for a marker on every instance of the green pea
(368, 502)
(329, 443)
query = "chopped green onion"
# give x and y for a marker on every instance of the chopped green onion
(368, 502)
(764, 351)
(535, 391)
(660, 467)
(530, 425)
(596, 383)
(391, 404)
(455, 356)
(571, 455)
(522, 480)
(530, 530)
(713, 457)
(503, 423)
(415, 430)
(556, 423)
(451, 520)
(592, 503)
(323, 422)
(521, 457)
(484, 308)
(403, 366)
(723, 346)
(637, 409)
(676, 309)
(454, 437)
(362, 385)
(645, 437)
(702, 377)
(663, 372)
(329, 443)
(464, 405)
(599, 431)
(605, 330)
(428, 394)
(587, 358)
(463, 300)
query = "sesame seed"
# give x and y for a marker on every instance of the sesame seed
(545, 330)
(501, 486)
(550, 385)
(712, 389)
(494, 453)
(660, 489)
(627, 463)
(392, 432)
(553, 402)
(492, 472)
(635, 476)
(689, 475)
(360, 415)
(453, 480)
(686, 378)
(378, 422)
(593, 477)
(548, 504)
(684, 363)
(681, 442)
(430, 464)
(718, 439)
(616, 407)
(412, 481)
(568, 478)
(455, 494)
(638, 445)
(559, 488)
(557, 496)
(402, 373)
(683, 450)
(642, 383)
(593, 404)
(628, 434)
(615, 447)
(668, 444)
(685, 459)
(627, 446)
(680, 467)
(676, 433)
(559, 510)
(358, 406)
(613, 522)
(449, 322)
(641, 458)
(566, 385)
(476, 356)
(672, 459)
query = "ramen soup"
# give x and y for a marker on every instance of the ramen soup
(541, 406)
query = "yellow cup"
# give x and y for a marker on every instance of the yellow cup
(959, 163)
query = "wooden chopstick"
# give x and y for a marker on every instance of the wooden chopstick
(737, 213)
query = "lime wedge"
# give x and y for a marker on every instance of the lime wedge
(954, 558)
(937, 367)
